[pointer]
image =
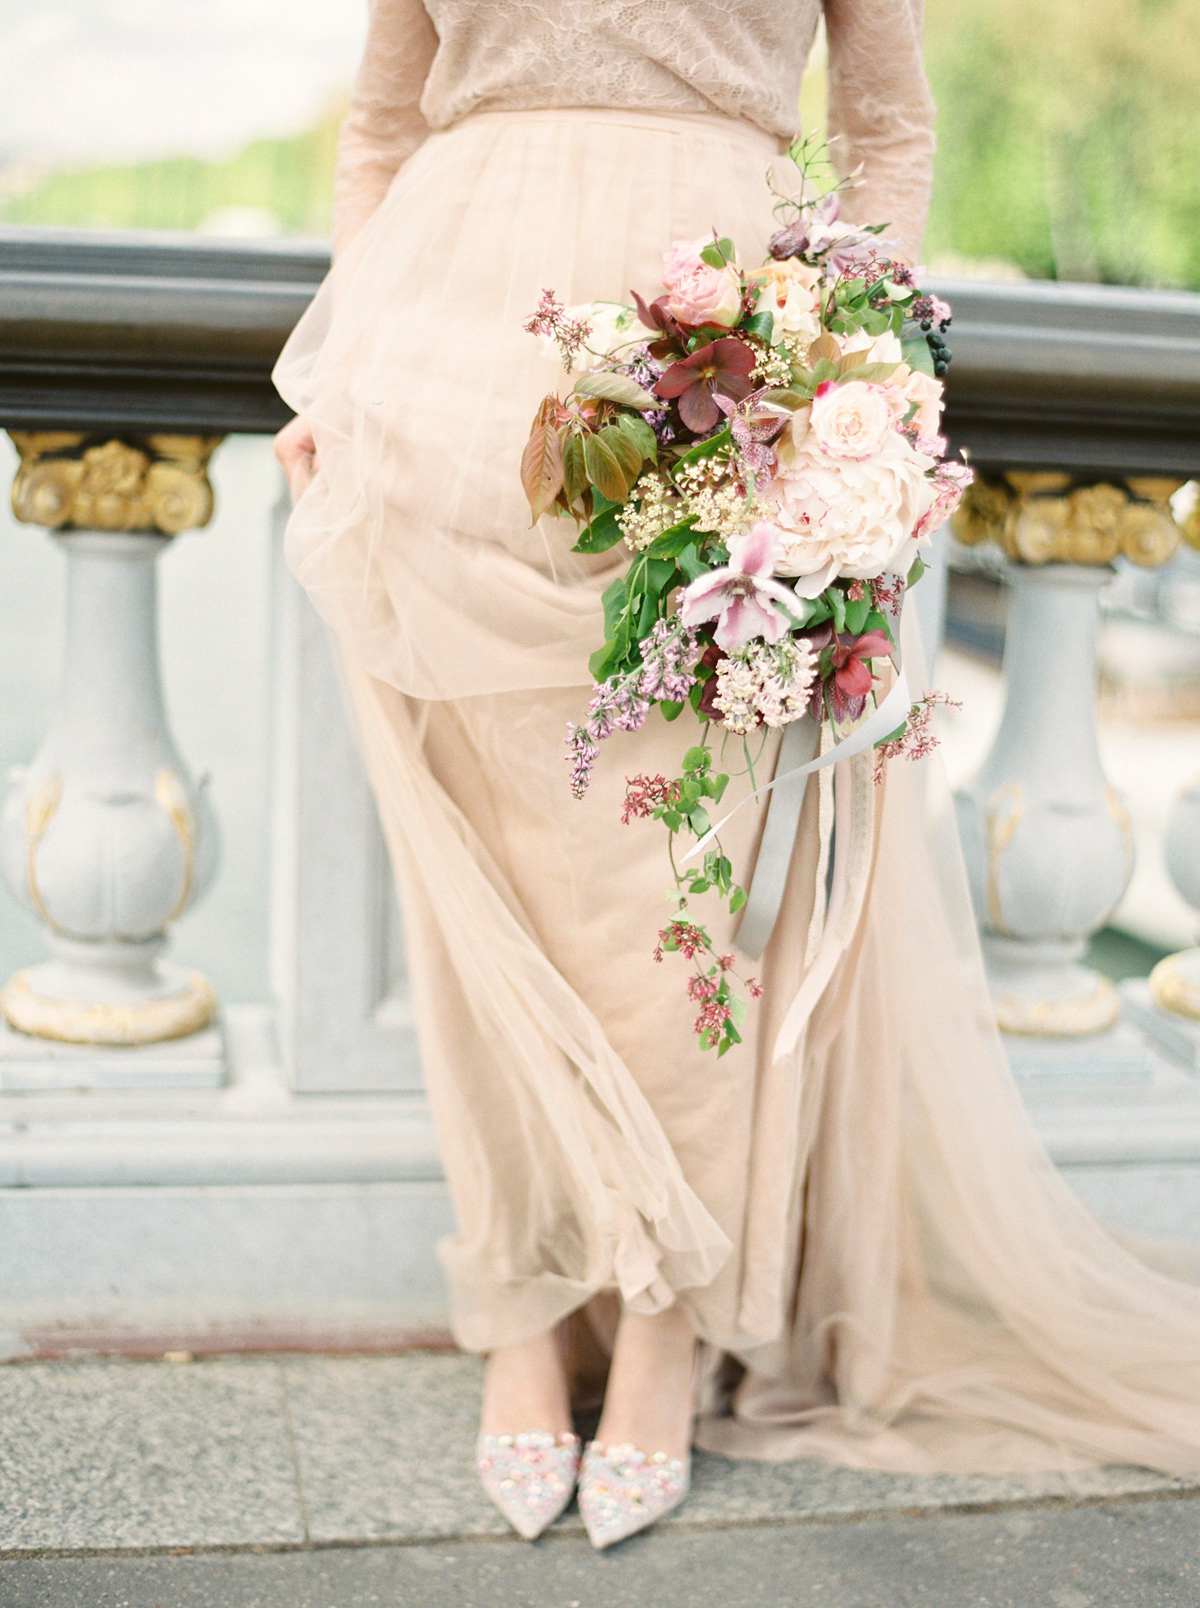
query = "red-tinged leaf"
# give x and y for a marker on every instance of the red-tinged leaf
(617, 388)
(652, 316)
(542, 468)
(574, 470)
(624, 450)
(604, 471)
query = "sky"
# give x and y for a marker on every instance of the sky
(96, 80)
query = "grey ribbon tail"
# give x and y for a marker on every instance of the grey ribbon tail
(798, 747)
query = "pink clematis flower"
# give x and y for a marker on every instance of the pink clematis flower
(743, 596)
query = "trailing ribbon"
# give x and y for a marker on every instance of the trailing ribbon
(799, 745)
(885, 718)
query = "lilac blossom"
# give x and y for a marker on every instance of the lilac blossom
(669, 656)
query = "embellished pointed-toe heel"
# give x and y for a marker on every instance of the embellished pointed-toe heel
(530, 1477)
(622, 1490)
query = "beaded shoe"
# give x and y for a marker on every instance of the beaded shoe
(530, 1477)
(621, 1490)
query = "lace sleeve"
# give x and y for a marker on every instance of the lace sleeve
(880, 106)
(385, 124)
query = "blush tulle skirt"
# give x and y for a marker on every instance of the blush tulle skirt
(865, 1227)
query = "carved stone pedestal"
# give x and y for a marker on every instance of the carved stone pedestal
(105, 836)
(1047, 842)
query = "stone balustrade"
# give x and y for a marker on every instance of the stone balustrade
(123, 362)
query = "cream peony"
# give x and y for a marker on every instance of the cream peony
(696, 293)
(838, 516)
(851, 421)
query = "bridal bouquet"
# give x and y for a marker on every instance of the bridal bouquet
(765, 442)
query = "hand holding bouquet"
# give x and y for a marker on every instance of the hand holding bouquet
(766, 443)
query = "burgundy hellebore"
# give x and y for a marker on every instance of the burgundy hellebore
(723, 365)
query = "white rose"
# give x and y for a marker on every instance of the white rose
(851, 421)
(848, 517)
(612, 327)
(884, 348)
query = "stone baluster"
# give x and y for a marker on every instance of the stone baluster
(1175, 981)
(105, 836)
(1047, 842)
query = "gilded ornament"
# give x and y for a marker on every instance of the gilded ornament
(983, 513)
(73, 1021)
(149, 483)
(1040, 517)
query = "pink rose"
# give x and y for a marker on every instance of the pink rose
(698, 294)
(850, 421)
(926, 392)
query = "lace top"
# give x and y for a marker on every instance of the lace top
(426, 66)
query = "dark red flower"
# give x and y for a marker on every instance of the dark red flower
(722, 366)
(852, 679)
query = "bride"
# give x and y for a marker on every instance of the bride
(879, 1263)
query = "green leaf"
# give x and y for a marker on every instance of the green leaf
(736, 900)
(917, 354)
(837, 603)
(698, 820)
(673, 820)
(824, 369)
(640, 433)
(674, 543)
(696, 758)
(647, 615)
(718, 253)
(670, 710)
(574, 470)
(614, 600)
(856, 614)
(602, 663)
(737, 1007)
(600, 535)
(788, 398)
(604, 470)
(917, 569)
(762, 325)
(805, 609)
(707, 449)
(874, 372)
(616, 388)
(625, 450)
(660, 572)
(690, 562)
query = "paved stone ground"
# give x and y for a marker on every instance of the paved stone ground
(302, 1482)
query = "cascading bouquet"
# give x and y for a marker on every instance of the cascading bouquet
(766, 444)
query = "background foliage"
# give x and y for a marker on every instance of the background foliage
(1068, 130)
